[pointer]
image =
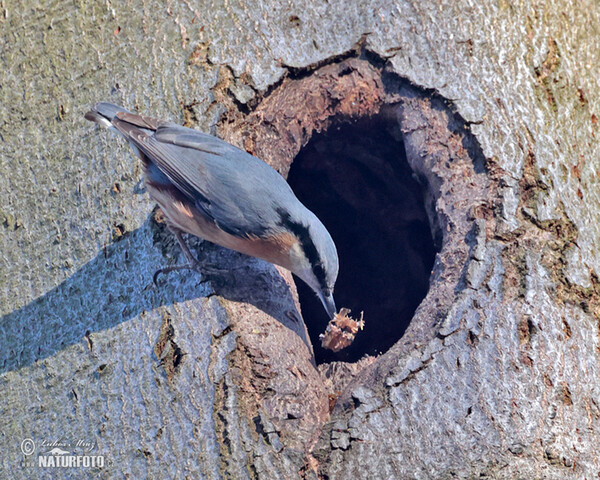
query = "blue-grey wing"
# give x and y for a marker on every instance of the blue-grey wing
(239, 192)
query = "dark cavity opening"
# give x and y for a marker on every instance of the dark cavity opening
(356, 179)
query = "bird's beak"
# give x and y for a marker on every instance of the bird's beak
(329, 304)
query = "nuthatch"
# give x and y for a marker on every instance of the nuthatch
(213, 190)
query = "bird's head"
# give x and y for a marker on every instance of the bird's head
(314, 257)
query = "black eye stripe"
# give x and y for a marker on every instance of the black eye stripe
(310, 250)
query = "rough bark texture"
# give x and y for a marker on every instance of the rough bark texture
(497, 375)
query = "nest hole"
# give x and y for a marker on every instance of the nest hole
(355, 177)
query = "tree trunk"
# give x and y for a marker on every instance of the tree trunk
(493, 110)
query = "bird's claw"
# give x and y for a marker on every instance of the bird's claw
(196, 266)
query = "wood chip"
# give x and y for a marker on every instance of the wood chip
(341, 330)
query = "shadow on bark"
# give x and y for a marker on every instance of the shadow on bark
(116, 286)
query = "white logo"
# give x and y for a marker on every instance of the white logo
(57, 451)
(58, 457)
(27, 446)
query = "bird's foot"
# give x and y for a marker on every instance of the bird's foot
(196, 266)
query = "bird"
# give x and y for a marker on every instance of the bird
(213, 190)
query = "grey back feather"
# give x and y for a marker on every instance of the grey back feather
(237, 190)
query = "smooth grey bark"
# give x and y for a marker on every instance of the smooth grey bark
(498, 377)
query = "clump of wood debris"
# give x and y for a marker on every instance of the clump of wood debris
(341, 330)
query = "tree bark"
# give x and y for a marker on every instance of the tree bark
(198, 377)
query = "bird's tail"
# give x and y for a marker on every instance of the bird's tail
(103, 113)
(125, 123)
